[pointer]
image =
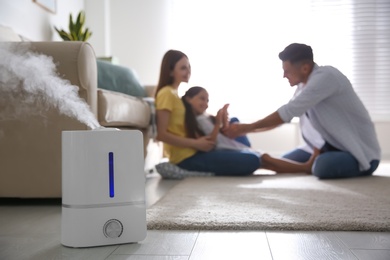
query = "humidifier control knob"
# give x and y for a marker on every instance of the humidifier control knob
(113, 228)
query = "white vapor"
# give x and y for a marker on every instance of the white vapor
(29, 85)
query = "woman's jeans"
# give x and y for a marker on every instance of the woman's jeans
(332, 165)
(223, 162)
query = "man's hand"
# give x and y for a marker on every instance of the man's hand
(237, 129)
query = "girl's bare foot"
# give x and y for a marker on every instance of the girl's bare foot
(310, 162)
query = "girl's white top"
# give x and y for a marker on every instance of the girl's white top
(222, 142)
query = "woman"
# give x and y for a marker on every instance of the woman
(191, 153)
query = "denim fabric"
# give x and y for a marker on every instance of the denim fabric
(333, 165)
(241, 139)
(297, 155)
(223, 162)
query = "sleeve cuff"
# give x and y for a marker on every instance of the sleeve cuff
(284, 114)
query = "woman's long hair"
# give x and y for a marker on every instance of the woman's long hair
(168, 63)
(191, 125)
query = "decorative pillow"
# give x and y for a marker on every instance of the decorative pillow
(171, 171)
(118, 78)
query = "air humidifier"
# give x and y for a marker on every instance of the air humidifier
(103, 188)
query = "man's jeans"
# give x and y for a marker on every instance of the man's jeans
(332, 165)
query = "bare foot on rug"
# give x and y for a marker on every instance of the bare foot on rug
(283, 165)
(310, 162)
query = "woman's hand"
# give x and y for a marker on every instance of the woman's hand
(204, 144)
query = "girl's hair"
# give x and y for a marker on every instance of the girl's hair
(191, 125)
(168, 63)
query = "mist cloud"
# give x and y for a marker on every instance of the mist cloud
(30, 86)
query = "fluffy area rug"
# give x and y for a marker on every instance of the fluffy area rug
(276, 202)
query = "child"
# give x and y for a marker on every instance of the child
(198, 123)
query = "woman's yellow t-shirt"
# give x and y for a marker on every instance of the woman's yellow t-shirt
(168, 99)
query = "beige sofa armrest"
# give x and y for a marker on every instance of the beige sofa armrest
(76, 62)
(30, 147)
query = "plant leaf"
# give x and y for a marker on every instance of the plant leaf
(76, 29)
(71, 25)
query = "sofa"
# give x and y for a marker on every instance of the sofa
(30, 145)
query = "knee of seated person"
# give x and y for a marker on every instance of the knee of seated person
(320, 173)
(320, 169)
(234, 120)
(252, 163)
(325, 167)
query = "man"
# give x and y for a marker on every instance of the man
(334, 121)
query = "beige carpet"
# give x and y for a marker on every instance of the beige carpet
(276, 202)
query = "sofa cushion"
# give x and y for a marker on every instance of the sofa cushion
(118, 78)
(171, 171)
(117, 109)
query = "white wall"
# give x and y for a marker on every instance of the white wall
(35, 23)
(277, 141)
(98, 21)
(383, 130)
(287, 137)
(138, 33)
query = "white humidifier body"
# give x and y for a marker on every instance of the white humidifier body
(103, 188)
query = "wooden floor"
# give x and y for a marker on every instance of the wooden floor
(30, 229)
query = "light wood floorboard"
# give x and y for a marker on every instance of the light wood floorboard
(307, 245)
(166, 243)
(367, 240)
(42, 247)
(372, 254)
(146, 257)
(231, 245)
(30, 229)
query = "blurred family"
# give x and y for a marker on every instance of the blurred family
(336, 127)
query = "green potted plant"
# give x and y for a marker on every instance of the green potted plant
(76, 29)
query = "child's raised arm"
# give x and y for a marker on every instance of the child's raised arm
(217, 125)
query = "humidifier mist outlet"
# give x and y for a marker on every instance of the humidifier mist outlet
(103, 188)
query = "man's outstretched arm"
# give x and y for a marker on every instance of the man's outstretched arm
(266, 123)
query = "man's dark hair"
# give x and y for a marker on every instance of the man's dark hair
(297, 52)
